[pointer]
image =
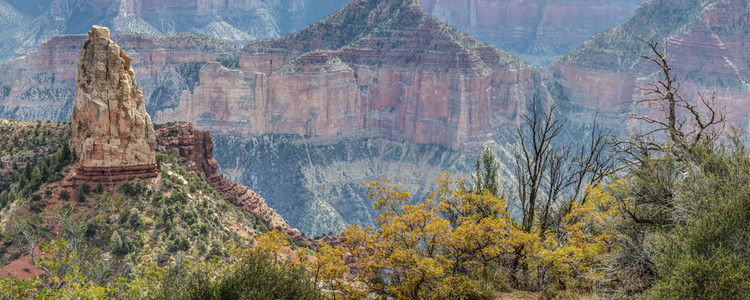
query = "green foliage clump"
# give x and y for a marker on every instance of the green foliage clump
(64, 195)
(706, 254)
(38, 153)
(255, 276)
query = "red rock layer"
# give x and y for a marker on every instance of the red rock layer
(198, 146)
(400, 74)
(40, 85)
(114, 174)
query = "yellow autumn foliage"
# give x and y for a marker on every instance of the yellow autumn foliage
(436, 248)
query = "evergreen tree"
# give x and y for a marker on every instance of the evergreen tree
(485, 174)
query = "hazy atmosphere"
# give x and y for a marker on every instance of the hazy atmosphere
(374, 149)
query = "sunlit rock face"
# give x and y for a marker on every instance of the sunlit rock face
(110, 125)
(382, 69)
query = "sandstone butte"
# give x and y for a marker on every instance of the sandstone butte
(372, 69)
(112, 133)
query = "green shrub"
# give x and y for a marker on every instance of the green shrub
(255, 277)
(706, 255)
(85, 188)
(64, 195)
(80, 195)
(36, 204)
(136, 220)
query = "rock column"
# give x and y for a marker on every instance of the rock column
(112, 133)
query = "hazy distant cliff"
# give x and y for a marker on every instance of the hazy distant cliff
(536, 30)
(26, 24)
(40, 85)
(707, 44)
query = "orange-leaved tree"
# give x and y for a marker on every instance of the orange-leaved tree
(407, 256)
(455, 239)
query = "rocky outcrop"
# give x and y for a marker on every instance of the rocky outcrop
(197, 146)
(112, 133)
(41, 85)
(402, 75)
(707, 47)
(536, 30)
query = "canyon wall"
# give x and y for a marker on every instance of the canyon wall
(24, 25)
(40, 86)
(327, 106)
(536, 30)
(707, 46)
(401, 75)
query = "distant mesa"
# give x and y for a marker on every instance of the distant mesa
(112, 134)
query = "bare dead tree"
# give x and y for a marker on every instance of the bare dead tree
(667, 134)
(551, 175)
(535, 155)
(680, 124)
(548, 172)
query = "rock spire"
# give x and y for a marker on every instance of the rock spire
(112, 132)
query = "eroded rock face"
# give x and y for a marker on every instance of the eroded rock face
(24, 25)
(197, 146)
(111, 128)
(182, 140)
(706, 44)
(401, 74)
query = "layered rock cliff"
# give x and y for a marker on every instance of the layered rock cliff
(706, 43)
(40, 86)
(26, 24)
(111, 130)
(536, 30)
(373, 69)
(382, 72)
